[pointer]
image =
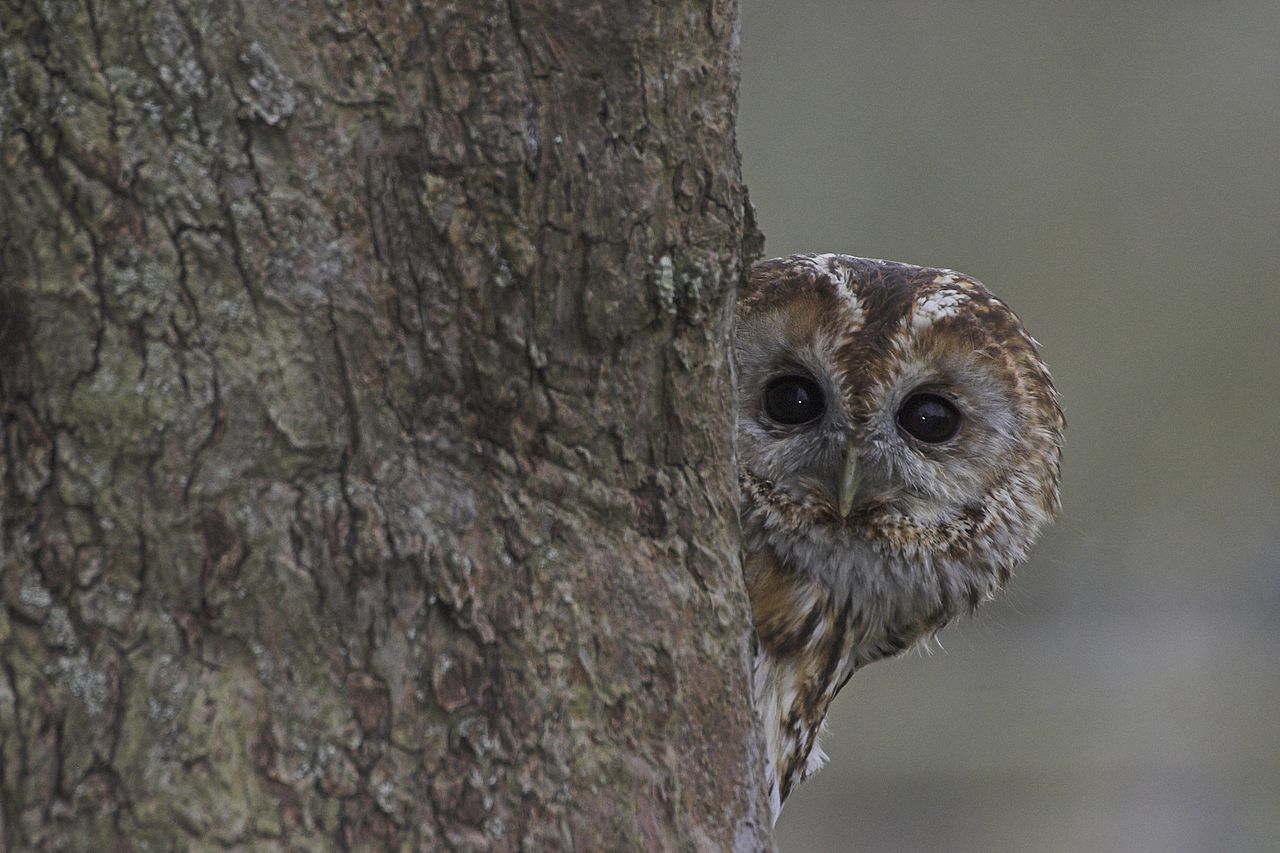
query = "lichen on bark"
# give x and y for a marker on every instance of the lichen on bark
(366, 473)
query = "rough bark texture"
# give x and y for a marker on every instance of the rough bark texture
(366, 472)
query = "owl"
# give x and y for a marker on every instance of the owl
(899, 444)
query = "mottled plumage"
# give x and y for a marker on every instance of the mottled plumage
(899, 443)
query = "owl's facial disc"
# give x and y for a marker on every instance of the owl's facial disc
(876, 397)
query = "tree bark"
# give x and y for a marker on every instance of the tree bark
(367, 453)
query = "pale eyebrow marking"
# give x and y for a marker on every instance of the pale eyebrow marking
(857, 316)
(939, 305)
(841, 276)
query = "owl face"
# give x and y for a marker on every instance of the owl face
(892, 406)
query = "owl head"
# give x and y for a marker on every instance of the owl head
(898, 434)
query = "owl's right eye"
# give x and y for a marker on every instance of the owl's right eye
(793, 400)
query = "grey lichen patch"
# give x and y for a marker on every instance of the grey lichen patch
(165, 694)
(109, 605)
(273, 99)
(86, 683)
(697, 280)
(665, 281)
(171, 52)
(388, 793)
(58, 630)
(139, 92)
(474, 732)
(33, 597)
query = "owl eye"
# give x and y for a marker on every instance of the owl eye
(930, 418)
(793, 400)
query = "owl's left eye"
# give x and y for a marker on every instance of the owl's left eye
(793, 400)
(930, 418)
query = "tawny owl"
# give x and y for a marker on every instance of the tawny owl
(899, 443)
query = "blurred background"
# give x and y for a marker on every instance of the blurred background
(1112, 170)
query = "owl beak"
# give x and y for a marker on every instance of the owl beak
(850, 481)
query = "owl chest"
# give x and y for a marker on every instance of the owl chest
(807, 639)
(814, 631)
(893, 596)
(793, 695)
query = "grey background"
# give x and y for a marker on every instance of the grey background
(1113, 171)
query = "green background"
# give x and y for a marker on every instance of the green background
(1113, 172)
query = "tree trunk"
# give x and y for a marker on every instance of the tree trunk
(367, 464)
